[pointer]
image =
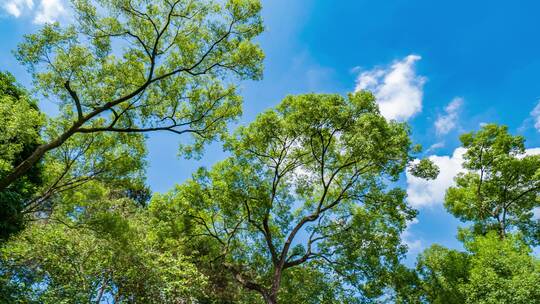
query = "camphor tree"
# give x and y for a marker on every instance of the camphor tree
(304, 189)
(132, 66)
(501, 186)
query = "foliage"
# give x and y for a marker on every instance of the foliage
(122, 67)
(497, 194)
(113, 158)
(20, 122)
(492, 271)
(502, 272)
(310, 285)
(133, 66)
(304, 191)
(301, 211)
(501, 186)
(101, 248)
(425, 168)
(442, 272)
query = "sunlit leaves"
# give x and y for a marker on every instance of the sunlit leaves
(305, 187)
(502, 184)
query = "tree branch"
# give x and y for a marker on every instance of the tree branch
(75, 98)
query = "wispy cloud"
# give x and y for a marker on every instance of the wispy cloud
(435, 146)
(47, 11)
(535, 113)
(397, 87)
(414, 245)
(16, 7)
(448, 121)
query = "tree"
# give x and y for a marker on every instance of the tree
(96, 246)
(113, 158)
(501, 185)
(442, 272)
(116, 159)
(497, 194)
(305, 190)
(21, 123)
(491, 271)
(134, 66)
(501, 271)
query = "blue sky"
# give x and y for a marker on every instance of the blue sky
(445, 67)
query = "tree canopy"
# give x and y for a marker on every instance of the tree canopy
(97, 245)
(139, 66)
(122, 68)
(307, 206)
(21, 123)
(497, 194)
(491, 271)
(501, 185)
(306, 187)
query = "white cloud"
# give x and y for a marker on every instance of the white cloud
(424, 193)
(535, 113)
(532, 151)
(398, 89)
(448, 121)
(414, 245)
(49, 11)
(15, 7)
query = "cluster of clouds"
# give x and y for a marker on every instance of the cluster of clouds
(398, 89)
(46, 11)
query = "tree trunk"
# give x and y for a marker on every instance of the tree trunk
(270, 298)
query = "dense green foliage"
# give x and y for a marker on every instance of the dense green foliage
(497, 194)
(501, 185)
(103, 246)
(20, 125)
(305, 188)
(490, 271)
